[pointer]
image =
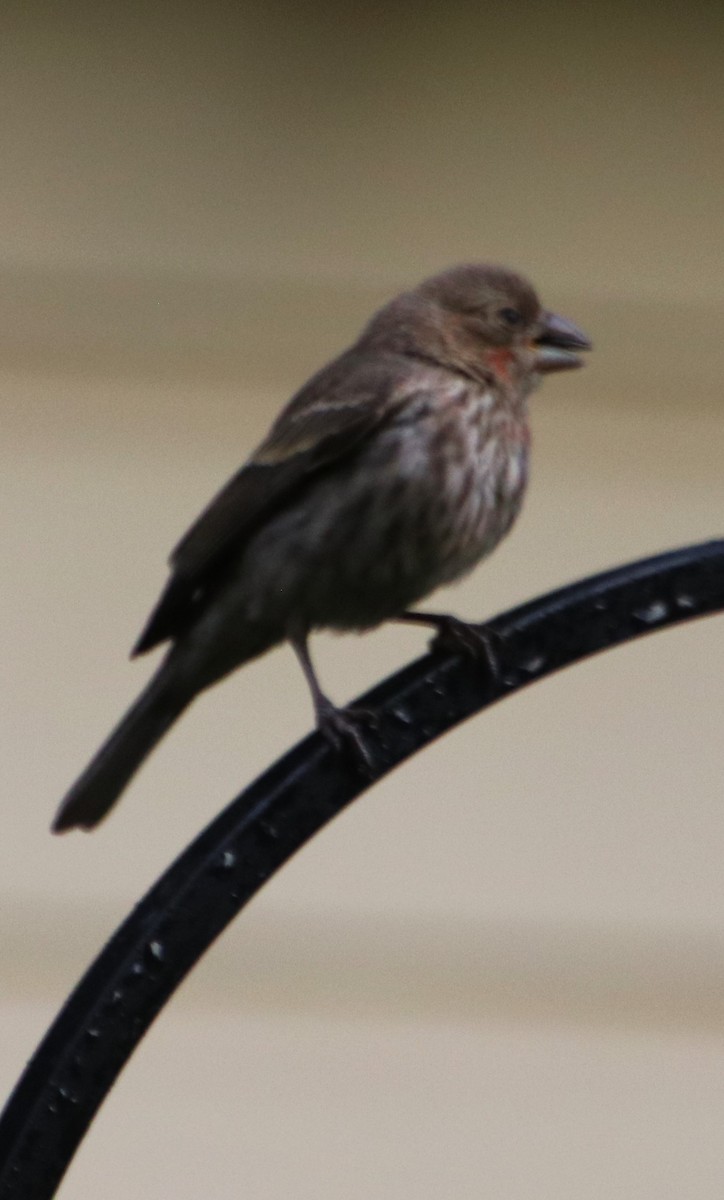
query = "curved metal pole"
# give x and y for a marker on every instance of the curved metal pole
(133, 977)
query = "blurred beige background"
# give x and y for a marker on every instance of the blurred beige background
(501, 973)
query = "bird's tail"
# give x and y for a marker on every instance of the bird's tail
(118, 759)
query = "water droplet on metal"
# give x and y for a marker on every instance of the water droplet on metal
(652, 613)
(225, 862)
(156, 951)
(269, 828)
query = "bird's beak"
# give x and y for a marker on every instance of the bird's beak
(557, 343)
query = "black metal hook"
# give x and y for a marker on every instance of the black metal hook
(113, 1005)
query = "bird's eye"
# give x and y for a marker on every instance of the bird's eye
(511, 316)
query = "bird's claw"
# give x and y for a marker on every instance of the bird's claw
(345, 729)
(473, 641)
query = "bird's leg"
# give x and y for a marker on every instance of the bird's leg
(342, 727)
(475, 641)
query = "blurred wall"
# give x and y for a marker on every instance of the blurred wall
(502, 970)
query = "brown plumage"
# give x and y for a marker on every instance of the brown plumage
(397, 468)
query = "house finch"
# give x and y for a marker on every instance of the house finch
(396, 469)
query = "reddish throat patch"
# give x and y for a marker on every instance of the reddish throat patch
(500, 360)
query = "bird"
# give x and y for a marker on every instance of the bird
(395, 469)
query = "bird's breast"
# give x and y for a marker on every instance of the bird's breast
(477, 437)
(426, 498)
(475, 447)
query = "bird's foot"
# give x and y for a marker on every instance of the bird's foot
(346, 731)
(473, 641)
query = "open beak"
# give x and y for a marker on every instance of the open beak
(557, 343)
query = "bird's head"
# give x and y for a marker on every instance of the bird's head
(494, 318)
(483, 320)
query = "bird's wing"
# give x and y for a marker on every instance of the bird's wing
(332, 415)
